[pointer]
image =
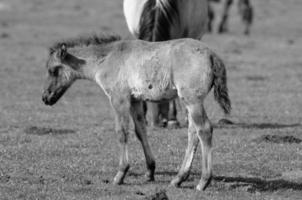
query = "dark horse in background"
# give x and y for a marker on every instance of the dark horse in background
(245, 10)
(160, 20)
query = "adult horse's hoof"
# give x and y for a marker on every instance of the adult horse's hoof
(203, 184)
(173, 124)
(149, 177)
(157, 125)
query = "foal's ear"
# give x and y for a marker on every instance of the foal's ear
(62, 52)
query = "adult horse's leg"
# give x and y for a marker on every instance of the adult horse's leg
(121, 107)
(159, 114)
(184, 170)
(137, 114)
(154, 112)
(223, 26)
(211, 16)
(172, 115)
(163, 108)
(246, 12)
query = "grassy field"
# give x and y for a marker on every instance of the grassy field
(69, 151)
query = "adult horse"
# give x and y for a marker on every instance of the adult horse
(245, 10)
(160, 20)
(133, 71)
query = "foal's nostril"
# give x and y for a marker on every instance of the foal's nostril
(44, 96)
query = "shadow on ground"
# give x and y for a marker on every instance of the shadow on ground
(33, 130)
(258, 184)
(257, 125)
(277, 139)
(252, 184)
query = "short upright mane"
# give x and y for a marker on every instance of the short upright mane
(85, 41)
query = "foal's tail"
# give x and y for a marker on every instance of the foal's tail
(220, 83)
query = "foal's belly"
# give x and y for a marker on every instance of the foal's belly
(152, 78)
(154, 93)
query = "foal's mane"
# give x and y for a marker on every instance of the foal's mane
(85, 40)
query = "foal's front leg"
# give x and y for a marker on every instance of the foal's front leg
(137, 113)
(122, 107)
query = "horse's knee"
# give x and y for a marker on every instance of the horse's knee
(123, 136)
(205, 132)
(208, 127)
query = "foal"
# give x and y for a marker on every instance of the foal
(161, 20)
(130, 72)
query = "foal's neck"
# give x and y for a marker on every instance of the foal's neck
(93, 57)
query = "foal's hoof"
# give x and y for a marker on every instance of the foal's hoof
(176, 182)
(119, 177)
(203, 184)
(118, 181)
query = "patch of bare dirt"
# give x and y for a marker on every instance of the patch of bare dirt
(159, 195)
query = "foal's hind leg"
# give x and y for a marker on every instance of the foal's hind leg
(121, 107)
(204, 132)
(137, 114)
(199, 126)
(184, 170)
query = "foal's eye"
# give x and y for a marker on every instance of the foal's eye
(54, 71)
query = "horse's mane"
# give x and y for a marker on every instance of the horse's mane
(85, 40)
(157, 18)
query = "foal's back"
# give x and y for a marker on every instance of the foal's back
(156, 70)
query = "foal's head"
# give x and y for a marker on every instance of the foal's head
(63, 70)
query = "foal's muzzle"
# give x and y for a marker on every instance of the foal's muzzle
(51, 97)
(46, 98)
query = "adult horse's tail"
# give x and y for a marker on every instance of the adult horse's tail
(220, 83)
(156, 19)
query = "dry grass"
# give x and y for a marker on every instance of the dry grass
(69, 151)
